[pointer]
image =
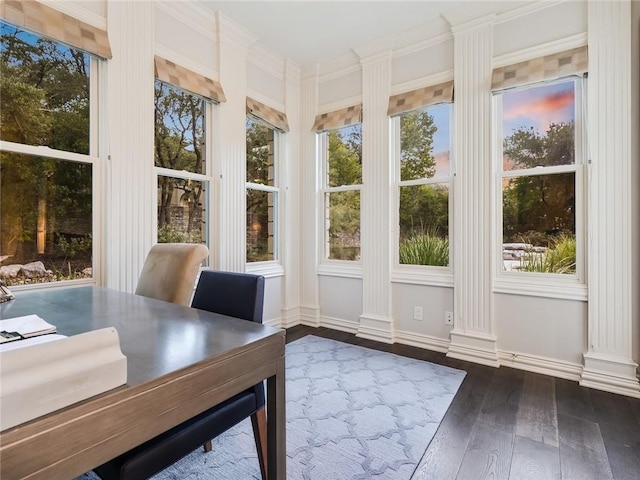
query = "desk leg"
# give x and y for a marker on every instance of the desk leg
(276, 425)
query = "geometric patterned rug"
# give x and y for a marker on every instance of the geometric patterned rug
(352, 413)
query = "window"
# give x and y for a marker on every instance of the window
(181, 164)
(262, 191)
(49, 98)
(342, 183)
(423, 185)
(540, 177)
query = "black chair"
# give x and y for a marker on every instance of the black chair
(239, 295)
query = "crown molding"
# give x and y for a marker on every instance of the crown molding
(375, 50)
(293, 72)
(339, 104)
(186, 62)
(422, 82)
(79, 12)
(423, 44)
(310, 71)
(464, 21)
(268, 101)
(234, 33)
(574, 41)
(260, 56)
(527, 9)
(197, 17)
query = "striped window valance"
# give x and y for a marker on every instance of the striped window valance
(169, 72)
(423, 97)
(41, 19)
(338, 118)
(549, 67)
(268, 114)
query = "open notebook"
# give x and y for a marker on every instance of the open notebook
(24, 327)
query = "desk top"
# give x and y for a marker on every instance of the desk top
(157, 337)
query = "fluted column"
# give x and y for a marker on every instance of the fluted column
(473, 336)
(375, 322)
(310, 187)
(290, 198)
(130, 199)
(234, 43)
(608, 363)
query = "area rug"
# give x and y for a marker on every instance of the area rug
(352, 413)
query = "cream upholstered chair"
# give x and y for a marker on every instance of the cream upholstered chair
(170, 270)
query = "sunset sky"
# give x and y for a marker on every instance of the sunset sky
(538, 107)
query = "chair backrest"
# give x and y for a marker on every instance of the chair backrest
(170, 270)
(239, 295)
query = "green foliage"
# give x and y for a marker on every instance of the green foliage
(70, 248)
(541, 203)
(345, 156)
(560, 257)
(425, 249)
(172, 234)
(416, 146)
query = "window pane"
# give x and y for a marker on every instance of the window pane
(538, 125)
(345, 156)
(424, 225)
(179, 134)
(46, 222)
(260, 225)
(343, 225)
(44, 92)
(260, 153)
(539, 223)
(181, 210)
(425, 143)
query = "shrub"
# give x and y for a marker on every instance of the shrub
(425, 249)
(560, 257)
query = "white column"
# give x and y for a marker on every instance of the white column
(309, 191)
(473, 336)
(130, 198)
(234, 43)
(290, 192)
(375, 322)
(608, 363)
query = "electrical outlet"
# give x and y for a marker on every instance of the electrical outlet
(448, 318)
(417, 313)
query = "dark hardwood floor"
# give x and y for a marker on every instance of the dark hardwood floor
(510, 424)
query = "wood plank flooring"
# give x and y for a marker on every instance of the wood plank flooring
(507, 424)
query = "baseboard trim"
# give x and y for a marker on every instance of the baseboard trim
(340, 324)
(474, 347)
(422, 341)
(538, 364)
(611, 374)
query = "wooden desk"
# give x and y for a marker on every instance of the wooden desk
(180, 361)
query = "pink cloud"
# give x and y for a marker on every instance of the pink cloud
(541, 110)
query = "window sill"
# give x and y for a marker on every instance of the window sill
(431, 276)
(341, 269)
(266, 269)
(53, 285)
(549, 289)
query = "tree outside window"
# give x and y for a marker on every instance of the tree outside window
(539, 178)
(424, 185)
(181, 164)
(262, 191)
(46, 199)
(342, 186)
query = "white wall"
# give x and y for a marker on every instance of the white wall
(635, 171)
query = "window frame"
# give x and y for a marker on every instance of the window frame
(207, 177)
(274, 266)
(549, 285)
(330, 266)
(408, 273)
(96, 158)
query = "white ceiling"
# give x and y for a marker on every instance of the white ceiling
(316, 30)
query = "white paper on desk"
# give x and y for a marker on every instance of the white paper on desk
(27, 326)
(5, 347)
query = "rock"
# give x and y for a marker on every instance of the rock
(35, 269)
(10, 271)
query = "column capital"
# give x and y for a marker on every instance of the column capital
(375, 51)
(231, 32)
(465, 20)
